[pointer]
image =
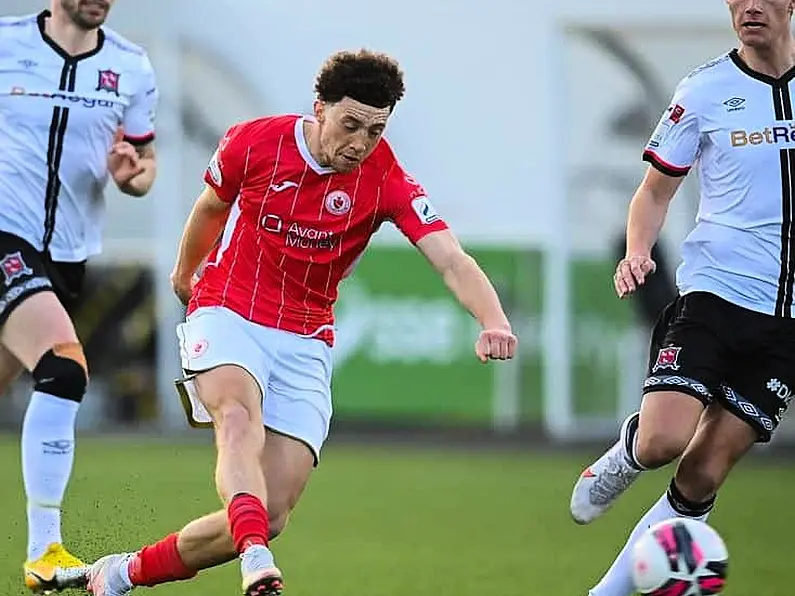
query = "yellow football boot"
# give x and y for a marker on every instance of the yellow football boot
(55, 570)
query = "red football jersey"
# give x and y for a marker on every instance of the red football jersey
(296, 229)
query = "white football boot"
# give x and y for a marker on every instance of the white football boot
(261, 577)
(606, 479)
(109, 576)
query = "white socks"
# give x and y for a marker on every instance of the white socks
(48, 440)
(618, 579)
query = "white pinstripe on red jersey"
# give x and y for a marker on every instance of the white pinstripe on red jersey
(301, 227)
(261, 252)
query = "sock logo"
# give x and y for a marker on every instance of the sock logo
(57, 447)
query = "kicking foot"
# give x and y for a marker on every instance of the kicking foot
(109, 576)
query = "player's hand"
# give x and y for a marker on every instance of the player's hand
(183, 287)
(631, 273)
(495, 344)
(124, 164)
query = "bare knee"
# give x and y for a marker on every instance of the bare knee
(668, 420)
(655, 447)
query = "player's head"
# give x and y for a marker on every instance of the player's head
(85, 14)
(760, 23)
(356, 93)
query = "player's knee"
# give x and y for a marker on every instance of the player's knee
(62, 372)
(656, 449)
(234, 423)
(231, 413)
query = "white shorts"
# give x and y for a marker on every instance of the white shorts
(293, 372)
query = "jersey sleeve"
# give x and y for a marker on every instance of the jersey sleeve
(674, 146)
(139, 118)
(409, 207)
(227, 166)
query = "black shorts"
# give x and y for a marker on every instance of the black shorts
(24, 271)
(714, 350)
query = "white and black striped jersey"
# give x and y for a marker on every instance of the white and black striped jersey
(738, 125)
(58, 116)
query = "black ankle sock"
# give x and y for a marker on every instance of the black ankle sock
(684, 506)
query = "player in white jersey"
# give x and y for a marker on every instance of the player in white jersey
(76, 108)
(722, 362)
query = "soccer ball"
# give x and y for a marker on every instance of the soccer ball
(679, 557)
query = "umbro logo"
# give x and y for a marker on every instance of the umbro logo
(734, 104)
(283, 186)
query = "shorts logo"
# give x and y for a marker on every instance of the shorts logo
(667, 358)
(14, 267)
(338, 202)
(199, 348)
(782, 391)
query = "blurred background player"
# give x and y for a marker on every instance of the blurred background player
(73, 84)
(295, 201)
(723, 349)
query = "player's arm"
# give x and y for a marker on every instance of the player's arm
(465, 279)
(414, 215)
(200, 234)
(671, 151)
(143, 166)
(648, 210)
(132, 161)
(223, 177)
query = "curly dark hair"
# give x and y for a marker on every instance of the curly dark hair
(371, 78)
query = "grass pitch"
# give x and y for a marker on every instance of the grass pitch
(386, 521)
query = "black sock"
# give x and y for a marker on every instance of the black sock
(684, 506)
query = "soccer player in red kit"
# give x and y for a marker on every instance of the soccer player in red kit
(290, 204)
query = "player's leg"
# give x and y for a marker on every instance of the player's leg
(232, 397)
(719, 442)
(659, 433)
(207, 542)
(728, 428)
(38, 333)
(228, 394)
(287, 463)
(10, 369)
(297, 412)
(41, 336)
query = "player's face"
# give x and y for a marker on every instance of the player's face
(759, 22)
(87, 14)
(349, 131)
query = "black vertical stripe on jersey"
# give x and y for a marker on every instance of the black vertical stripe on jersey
(60, 118)
(782, 103)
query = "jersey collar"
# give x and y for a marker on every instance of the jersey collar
(41, 19)
(303, 148)
(740, 63)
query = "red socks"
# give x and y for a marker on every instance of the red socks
(158, 564)
(248, 521)
(161, 562)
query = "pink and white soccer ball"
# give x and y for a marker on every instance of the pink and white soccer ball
(680, 557)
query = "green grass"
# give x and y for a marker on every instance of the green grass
(391, 521)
